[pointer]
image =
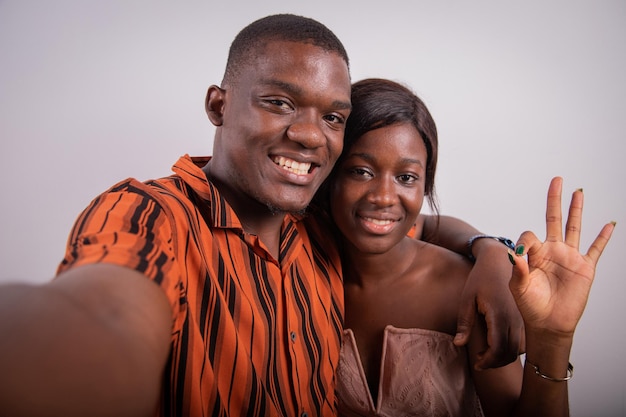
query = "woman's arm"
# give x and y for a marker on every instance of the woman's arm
(551, 290)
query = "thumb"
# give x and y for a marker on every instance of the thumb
(520, 275)
(465, 321)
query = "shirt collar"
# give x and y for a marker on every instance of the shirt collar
(222, 215)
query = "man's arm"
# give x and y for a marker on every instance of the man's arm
(94, 342)
(486, 291)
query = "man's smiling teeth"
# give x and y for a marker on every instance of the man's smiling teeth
(299, 168)
(377, 221)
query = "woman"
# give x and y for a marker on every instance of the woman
(402, 294)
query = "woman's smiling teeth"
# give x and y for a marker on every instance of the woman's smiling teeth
(377, 221)
(299, 168)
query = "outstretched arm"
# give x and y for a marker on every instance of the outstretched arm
(92, 342)
(551, 290)
(486, 290)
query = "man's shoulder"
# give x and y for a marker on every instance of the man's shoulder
(150, 189)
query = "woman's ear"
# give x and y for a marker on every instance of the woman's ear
(214, 104)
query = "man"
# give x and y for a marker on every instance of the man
(243, 308)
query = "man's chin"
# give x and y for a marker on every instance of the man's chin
(283, 210)
(294, 206)
(287, 200)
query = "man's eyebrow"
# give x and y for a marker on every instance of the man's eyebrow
(294, 89)
(343, 105)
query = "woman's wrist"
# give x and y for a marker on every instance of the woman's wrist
(548, 352)
(569, 372)
(543, 338)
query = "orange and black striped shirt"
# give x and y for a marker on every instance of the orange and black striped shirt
(252, 336)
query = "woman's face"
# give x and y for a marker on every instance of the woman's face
(378, 189)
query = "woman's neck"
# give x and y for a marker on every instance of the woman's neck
(375, 269)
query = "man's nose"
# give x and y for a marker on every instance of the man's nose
(307, 130)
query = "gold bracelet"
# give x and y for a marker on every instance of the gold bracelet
(570, 372)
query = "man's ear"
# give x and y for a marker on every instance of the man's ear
(214, 104)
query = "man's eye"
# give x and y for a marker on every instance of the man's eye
(279, 103)
(333, 118)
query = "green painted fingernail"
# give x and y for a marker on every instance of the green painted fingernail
(511, 256)
(519, 250)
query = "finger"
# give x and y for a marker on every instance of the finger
(497, 353)
(528, 243)
(465, 321)
(504, 351)
(554, 227)
(574, 219)
(600, 242)
(520, 276)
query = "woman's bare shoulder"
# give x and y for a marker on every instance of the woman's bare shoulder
(443, 263)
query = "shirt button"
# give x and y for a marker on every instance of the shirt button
(292, 335)
(304, 414)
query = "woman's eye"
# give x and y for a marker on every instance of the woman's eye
(408, 178)
(360, 172)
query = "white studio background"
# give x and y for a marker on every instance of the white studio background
(92, 92)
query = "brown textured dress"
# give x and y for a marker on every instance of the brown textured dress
(422, 374)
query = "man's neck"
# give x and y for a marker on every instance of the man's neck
(256, 218)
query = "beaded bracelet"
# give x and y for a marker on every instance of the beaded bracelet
(570, 372)
(506, 242)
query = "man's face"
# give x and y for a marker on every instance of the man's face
(283, 124)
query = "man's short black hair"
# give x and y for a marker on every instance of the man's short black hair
(281, 27)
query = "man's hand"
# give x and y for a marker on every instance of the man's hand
(487, 292)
